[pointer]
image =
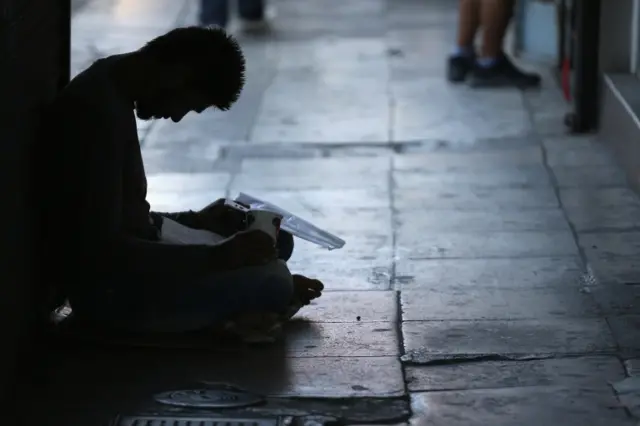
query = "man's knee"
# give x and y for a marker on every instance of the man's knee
(285, 245)
(277, 286)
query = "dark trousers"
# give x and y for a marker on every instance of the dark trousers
(216, 12)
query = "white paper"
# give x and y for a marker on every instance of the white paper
(174, 233)
(294, 224)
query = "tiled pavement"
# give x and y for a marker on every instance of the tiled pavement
(490, 275)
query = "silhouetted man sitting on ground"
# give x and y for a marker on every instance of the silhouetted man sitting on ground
(105, 249)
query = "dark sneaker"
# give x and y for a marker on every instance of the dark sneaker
(458, 67)
(503, 74)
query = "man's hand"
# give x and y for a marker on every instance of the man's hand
(219, 219)
(247, 248)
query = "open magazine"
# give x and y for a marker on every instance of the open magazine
(294, 224)
(175, 233)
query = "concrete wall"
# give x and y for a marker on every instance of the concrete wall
(31, 53)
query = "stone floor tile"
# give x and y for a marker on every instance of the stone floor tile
(479, 220)
(347, 274)
(594, 219)
(373, 248)
(443, 245)
(350, 201)
(187, 182)
(610, 245)
(310, 377)
(601, 209)
(587, 372)
(439, 339)
(572, 151)
(158, 161)
(524, 273)
(460, 113)
(615, 299)
(550, 123)
(435, 196)
(626, 330)
(313, 180)
(451, 162)
(256, 371)
(178, 202)
(620, 270)
(415, 49)
(468, 303)
(357, 266)
(363, 339)
(328, 54)
(529, 406)
(590, 177)
(328, 166)
(512, 177)
(599, 198)
(353, 306)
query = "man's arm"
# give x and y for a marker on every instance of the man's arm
(87, 214)
(177, 261)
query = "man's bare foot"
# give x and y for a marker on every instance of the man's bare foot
(304, 291)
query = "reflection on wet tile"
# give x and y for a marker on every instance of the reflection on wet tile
(527, 406)
(579, 373)
(468, 303)
(444, 245)
(469, 198)
(527, 273)
(437, 339)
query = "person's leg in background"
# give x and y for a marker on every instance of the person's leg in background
(214, 12)
(492, 67)
(463, 57)
(252, 14)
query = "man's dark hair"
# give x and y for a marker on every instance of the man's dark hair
(212, 53)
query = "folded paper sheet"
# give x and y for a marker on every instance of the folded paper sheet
(294, 224)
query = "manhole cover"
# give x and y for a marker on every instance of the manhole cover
(191, 421)
(209, 397)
